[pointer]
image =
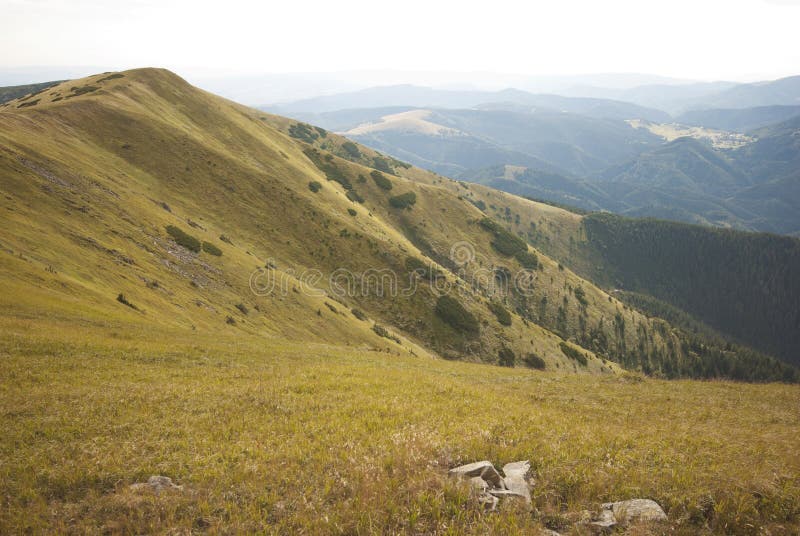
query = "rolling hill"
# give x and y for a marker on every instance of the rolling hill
(161, 205)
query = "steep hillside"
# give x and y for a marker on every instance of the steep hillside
(98, 170)
(699, 349)
(135, 199)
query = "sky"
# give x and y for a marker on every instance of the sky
(740, 40)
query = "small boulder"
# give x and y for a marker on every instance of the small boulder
(515, 479)
(603, 522)
(625, 512)
(157, 484)
(483, 469)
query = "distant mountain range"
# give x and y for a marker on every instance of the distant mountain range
(728, 156)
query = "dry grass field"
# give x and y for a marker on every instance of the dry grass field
(283, 437)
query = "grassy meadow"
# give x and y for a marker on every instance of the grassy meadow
(282, 437)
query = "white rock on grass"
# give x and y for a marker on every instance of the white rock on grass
(483, 469)
(633, 510)
(157, 483)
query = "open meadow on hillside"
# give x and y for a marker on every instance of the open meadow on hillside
(284, 437)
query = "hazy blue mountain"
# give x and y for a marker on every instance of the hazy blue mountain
(781, 92)
(670, 98)
(574, 143)
(424, 97)
(739, 119)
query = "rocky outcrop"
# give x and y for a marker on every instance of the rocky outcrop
(491, 486)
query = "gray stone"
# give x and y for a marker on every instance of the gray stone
(626, 512)
(157, 484)
(605, 521)
(488, 501)
(505, 493)
(483, 469)
(478, 484)
(515, 479)
(548, 532)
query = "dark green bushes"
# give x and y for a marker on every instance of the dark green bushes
(303, 131)
(574, 354)
(315, 186)
(527, 259)
(358, 313)
(351, 149)
(506, 357)
(534, 361)
(354, 196)
(505, 242)
(405, 200)
(383, 332)
(456, 315)
(211, 249)
(500, 312)
(184, 239)
(381, 180)
(124, 301)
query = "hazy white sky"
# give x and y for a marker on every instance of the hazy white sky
(699, 39)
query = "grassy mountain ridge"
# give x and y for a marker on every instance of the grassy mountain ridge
(129, 155)
(147, 151)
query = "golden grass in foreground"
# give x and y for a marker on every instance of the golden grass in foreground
(286, 437)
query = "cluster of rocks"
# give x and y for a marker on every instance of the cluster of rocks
(491, 486)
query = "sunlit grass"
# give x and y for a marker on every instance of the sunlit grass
(286, 437)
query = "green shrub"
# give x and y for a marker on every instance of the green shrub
(226, 239)
(304, 132)
(405, 200)
(574, 354)
(352, 212)
(354, 196)
(81, 90)
(534, 361)
(456, 315)
(315, 186)
(351, 149)
(211, 249)
(242, 308)
(358, 313)
(381, 180)
(527, 259)
(383, 332)
(479, 203)
(184, 239)
(580, 295)
(381, 164)
(124, 301)
(500, 312)
(111, 77)
(504, 242)
(506, 357)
